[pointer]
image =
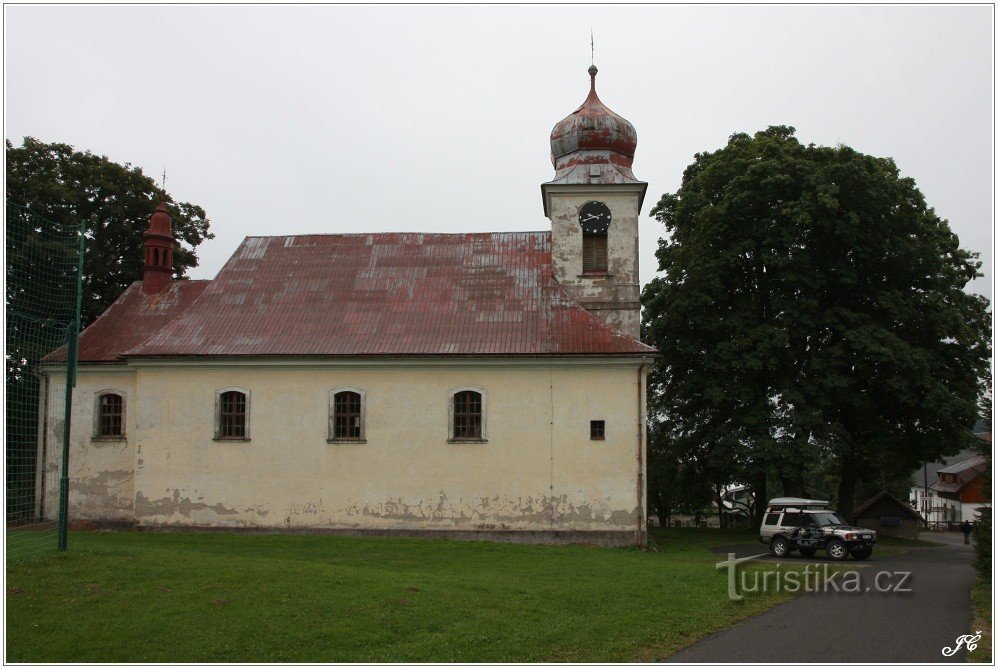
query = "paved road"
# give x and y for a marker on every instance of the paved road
(865, 626)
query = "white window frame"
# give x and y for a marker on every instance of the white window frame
(331, 437)
(96, 435)
(484, 439)
(218, 414)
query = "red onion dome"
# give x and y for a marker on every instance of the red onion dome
(594, 135)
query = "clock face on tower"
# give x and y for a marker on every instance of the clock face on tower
(594, 217)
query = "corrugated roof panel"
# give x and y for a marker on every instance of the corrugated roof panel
(130, 320)
(387, 294)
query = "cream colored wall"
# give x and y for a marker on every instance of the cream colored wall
(614, 298)
(538, 471)
(101, 473)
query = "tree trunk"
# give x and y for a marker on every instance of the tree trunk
(718, 492)
(761, 497)
(793, 486)
(847, 487)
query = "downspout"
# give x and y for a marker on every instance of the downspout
(642, 495)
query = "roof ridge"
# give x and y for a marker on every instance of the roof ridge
(403, 232)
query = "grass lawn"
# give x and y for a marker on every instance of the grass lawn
(198, 597)
(980, 599)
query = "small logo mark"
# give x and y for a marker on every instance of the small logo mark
(969, 640)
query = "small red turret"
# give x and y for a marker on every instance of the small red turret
(157, 269)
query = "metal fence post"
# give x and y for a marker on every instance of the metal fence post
(72, 344)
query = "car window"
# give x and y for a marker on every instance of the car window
(772, 519)
(807, 520)
(790, 520)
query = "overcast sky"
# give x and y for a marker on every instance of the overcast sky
(285, 120)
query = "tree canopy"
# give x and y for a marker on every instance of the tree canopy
(65, 186)
(812, 320)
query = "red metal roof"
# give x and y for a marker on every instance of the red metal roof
(383, 294)
(130, 320)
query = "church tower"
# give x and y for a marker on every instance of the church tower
(593, 202)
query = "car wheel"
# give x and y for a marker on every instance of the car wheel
(780, 547)
(862, 553)
(837, 550)
(808, 552)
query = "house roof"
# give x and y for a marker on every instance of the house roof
(977, 463)
(130, 320)
(865, 506)
(369, 294)
(919, 476)
(940, 486)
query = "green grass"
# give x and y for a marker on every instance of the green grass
(980, 598)
(192, 597)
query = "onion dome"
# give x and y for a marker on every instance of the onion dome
(593, 144)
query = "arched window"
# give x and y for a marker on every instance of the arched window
(594, 254)
(467, 413)
(346, 415)
(109, 415)
(232, 414)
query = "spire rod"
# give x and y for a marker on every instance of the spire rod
(592, 62)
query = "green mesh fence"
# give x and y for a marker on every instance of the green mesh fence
(42, 315)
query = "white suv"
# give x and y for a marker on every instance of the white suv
(807, 525)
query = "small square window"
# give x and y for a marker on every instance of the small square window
(597, 429)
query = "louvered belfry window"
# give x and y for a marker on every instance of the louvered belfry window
(467, 415)
(110, 421)
(594, 253)
(232, 415)
(346, 416)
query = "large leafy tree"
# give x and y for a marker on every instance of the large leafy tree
(64, 185)
(50, 189)
(812, 309)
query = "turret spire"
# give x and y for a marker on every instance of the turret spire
(157, 268)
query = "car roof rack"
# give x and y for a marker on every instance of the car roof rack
(781, 503)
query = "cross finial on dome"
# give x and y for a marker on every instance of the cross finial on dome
(592, 78)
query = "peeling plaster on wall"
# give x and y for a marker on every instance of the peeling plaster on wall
(103, 494)
(176, 505)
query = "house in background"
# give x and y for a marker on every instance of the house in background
(889, 516)
(952, 490)
(926, 501)
(960, 490)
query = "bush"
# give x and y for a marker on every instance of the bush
(982, 541)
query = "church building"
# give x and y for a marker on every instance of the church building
(475, 385)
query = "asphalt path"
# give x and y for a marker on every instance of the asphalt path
(883, 617)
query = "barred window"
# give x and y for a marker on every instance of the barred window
(594, 255)
(232, 415)
(110, 415)
(467, 415)
(347, 420)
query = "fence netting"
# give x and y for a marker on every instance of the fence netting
(43, 260)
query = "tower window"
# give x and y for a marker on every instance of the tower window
(594, 255)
